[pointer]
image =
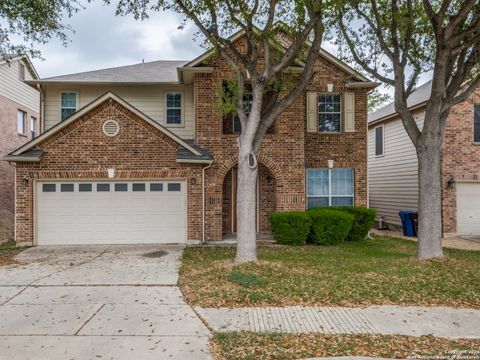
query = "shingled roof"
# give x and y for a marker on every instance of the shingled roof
(416, 98)
(161, 71)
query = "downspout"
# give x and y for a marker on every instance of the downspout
(42, 109)
(203, 200)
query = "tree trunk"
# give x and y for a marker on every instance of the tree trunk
(246, 206)
(429, 201)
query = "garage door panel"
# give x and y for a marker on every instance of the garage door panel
(468, 208)
(110, 217)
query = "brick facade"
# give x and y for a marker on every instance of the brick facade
(286, 152)
(10, 139)
(460, 157)
(81, 151)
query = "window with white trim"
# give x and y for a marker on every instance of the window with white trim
(247, 107)
(174, 108)
(22, 122)
(379, 141)
(33, 127)
(329, 113)
(21, 71)
(68, 104)
(476, 123)
(329, 187)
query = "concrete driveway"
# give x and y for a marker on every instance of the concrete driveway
(98, 302)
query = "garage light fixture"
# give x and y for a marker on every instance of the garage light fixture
(451, 182)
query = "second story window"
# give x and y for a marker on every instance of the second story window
(22, 122)
(247, 106)
(329, 113)
(379, 146)
(174, 108)
(476, 123)
(33, 127)
(68, 104)
(21, 71)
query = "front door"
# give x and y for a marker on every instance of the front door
(234, 202)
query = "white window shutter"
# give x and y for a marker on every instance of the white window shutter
(312, 112)
(349, 112)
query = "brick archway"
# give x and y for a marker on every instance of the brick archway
(270, 180)
(262, 159)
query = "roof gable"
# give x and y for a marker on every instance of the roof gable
(280, 45)
(21, 151)
(23, 58)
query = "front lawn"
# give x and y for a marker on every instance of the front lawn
(7, 251)
(378, 271)
(254, 346)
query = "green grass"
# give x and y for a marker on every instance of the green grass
(7, 251)
(255, 346)
(378, 271)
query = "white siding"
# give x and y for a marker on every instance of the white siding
(393, 177)
(150, 99)
(15, 89)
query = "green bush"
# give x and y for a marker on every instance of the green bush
(290, 228)
(363, 222)
(329, 226)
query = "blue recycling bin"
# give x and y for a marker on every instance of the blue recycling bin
(408, 223)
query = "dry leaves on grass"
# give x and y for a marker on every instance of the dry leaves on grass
(377, 272)
(243, 346)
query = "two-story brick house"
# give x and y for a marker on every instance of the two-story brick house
(393, 164)
(143, 154)
(19, 114)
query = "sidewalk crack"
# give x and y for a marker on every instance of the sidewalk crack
(88, 320)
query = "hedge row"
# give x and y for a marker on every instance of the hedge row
(323, 225)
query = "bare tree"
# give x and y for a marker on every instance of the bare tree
(261, 64)
(398, 40)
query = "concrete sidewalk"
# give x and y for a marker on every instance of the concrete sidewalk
(387, 320)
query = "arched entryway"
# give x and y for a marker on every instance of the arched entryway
(266, 189)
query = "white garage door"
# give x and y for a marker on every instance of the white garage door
(110, 212)
(468, 208)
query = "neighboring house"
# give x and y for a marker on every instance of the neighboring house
(142, 154)
(393, 165)
(19, 121)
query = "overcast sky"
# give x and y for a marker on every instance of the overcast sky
(103, 40)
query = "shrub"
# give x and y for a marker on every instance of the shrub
(364, 221)
(329, 226)
(290, 228)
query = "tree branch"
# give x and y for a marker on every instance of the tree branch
(352, 47)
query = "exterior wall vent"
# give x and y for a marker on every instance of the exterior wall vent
(111, 128)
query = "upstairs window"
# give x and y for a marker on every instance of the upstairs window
(22, 122)
(33, 127)
(68, 105)
(476, 123)
(247, 107)
(379, 146)
(174, 108)
(21, 71)
(329, 113)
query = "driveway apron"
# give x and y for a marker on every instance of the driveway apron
(98, 302)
